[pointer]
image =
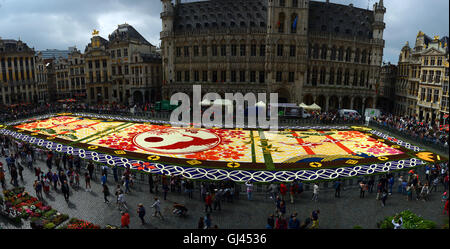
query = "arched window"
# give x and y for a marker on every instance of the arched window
(357, 55)
(364, 56)
(294, 23)
(316, 51)
(339, 76)
(323, 27)
(341, 54)
(346, 77)
(331, 80)
(281, 21)
(348, 54)
(323, 53)
(355, 78)
(314, 77)
(361, 80)
(322, 76)
(243, 24)
(333, 53)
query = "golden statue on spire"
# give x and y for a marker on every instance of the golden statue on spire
(95, 32)
(436, 37)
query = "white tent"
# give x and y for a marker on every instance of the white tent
(314, 107)
(303, 105)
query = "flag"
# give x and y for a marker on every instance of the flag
(278, 24)
(294, 25)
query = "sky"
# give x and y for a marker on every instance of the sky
(59, 24)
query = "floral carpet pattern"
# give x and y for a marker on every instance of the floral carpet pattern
(150, 146)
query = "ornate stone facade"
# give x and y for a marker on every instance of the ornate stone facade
(305, 51)
(17, 73)
(422, 81)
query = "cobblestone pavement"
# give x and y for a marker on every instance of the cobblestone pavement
(336, 213)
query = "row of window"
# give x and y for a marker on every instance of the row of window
(220, 76)
(339, 53)
(426, 94)
(14, 75)
(431, 77)
(17, 61)
(338, 77)
(233, 50)
(432, 61)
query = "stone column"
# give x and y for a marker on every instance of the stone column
(340, 103)
(327, 103)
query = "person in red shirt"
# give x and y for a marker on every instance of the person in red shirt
(283, 191)
(125, 220)
(281, 223)
(445, 208)
(208, 202)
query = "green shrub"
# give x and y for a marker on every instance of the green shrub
(49, 213)
(49, 225)
(410, 221)
(357, 227)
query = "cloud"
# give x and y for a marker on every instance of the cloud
(62, 23)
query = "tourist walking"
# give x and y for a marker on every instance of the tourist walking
(103, 179)
(384, 197)
(315, 192)
(65, 190)
(362, 189)
(157, 206)
(141, 213)
(315, 219)
(446, 207)
(292, 191)
(283, 191)
(409, 191)
(125, 220)
(38, 188)
(208, 202)
(249, 190)
(55, 179)
(13, 173)
(20, 168)
(87, 179)
(106, 192)
(121, 201)
(90, 169)
(217, 199)
(337, 188)
(424, 192)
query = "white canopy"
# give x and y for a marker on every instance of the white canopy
(303, 105)
(314, 107)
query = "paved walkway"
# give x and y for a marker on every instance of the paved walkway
(336, 213)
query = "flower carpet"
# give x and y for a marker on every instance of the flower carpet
(302, 153)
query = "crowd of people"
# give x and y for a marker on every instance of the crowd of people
(425, 131)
